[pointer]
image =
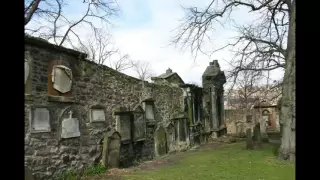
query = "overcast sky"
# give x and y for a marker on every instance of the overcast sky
(144, 29)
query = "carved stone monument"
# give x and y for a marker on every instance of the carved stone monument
(70, 127)
(40, 119)
(171, 134)
(62, 78)
(139, 131)
(111, 150)
(249, 139)
(212, 81)
(257, 136)
(160, 140)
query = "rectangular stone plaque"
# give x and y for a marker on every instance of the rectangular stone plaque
(124, 127)
(40, 122)
(149, 112)
(97, 115)
(139, 127)
(70, 128)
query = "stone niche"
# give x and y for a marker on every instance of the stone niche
(148, 105)
(160, 141)
(97, 114)
(123, 124)
(111, 150)
(70, 126)
(139, 124)
(62, 78)
(40, 119)
(180, 127)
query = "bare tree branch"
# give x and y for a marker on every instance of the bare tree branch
(143, 70)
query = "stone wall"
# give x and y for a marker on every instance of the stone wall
(46, 152)
(236, 121)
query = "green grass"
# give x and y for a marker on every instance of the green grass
(228, 162)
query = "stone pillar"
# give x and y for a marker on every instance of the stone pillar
(193, 109)
(190, 113)
(213, 115)
(222, 106)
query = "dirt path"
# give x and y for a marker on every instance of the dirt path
(170, 159)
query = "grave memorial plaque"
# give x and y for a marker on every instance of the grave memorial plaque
(160, 141)
(97, 115)
(70, 127)
(62, 78)
(111, 150)
(40, 120)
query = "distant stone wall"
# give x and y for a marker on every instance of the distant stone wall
(92, 85)
(236, 121)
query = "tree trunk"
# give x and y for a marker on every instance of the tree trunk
(288, 105)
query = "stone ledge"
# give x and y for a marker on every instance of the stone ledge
(28, 97)
(61, 99)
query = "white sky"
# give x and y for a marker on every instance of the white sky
(144, 29)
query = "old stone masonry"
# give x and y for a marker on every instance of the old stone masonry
(78, 113)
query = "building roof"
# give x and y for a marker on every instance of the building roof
(167, 75)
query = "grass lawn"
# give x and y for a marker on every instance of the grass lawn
(227, 162)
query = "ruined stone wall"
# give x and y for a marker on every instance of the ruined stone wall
(46, 152)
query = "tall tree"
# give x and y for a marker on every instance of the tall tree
(142, 69)
(264, 45)
(48, 19)
(100, 50)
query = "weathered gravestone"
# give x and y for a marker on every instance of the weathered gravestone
(257, 136)
(249, 139)
(171, 135)
(160, 140)
(62, 78)
(139, 130)
(40, 119)
(28, 174)
(111, 150)
(70, 127)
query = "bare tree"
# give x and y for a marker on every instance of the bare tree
(101, 50)
(264, 45)
(143, 70)
(247, 91)
(47, 19)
